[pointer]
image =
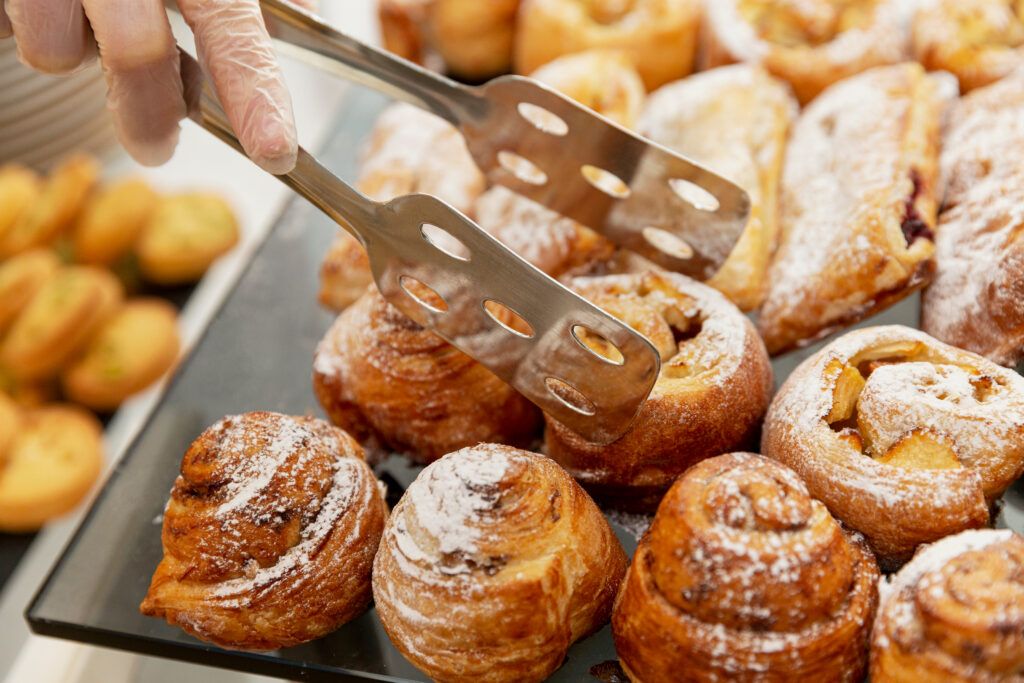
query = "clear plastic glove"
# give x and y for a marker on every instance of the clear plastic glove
(137, 50)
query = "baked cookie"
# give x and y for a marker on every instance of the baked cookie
(111, 221)
(132, 349)
(20, 278)
(19, 188)
(51, 464)
(184, 236)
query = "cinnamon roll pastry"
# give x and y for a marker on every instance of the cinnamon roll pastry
(954, 614)
(857, 228)
(735, 121)
(493, 563)
(603, 80)
(714, 387)
(269, 535)
(809, 43)
(906, 439)
(743, 576)
(393, 384)
(659, 36)
(978, 41)
(975, 299)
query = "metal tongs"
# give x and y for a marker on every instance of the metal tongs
(484, 299)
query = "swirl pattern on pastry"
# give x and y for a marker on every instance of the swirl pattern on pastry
(976, 300)
(714, 387)
(954, 614)
(493, 563)
(393, 384)
(906, 439)
(857, 229)
(809, 43)
(743, 576)
(269, 535)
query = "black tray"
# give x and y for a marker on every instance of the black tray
(256, 354)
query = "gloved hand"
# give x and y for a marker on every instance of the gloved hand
(142, 67)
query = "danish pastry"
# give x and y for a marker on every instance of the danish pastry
(659, 36)
(714, 387)
(269, 535)
(857, 228)
(735, 120)
(112, 220)
(493, 563)
(978, 41)
(391, 383)
(59, 320)
(743, 576)
(19, 188)
(10, 421)
(904, 438)
(20, 278)
(131, 349)
(603, 80)
(809, 43)
(50, 465)
(185, 234)
(954, 614)
(975, 299)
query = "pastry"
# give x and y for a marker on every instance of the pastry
(403, 28)
(714, 387)
(954, 614)
(10, 423)
(659, 36)
(131, 349)
(492, 564)
(19, 189)
(111, 221)
(858, 205)
(21, 277)
(391, 383)
(975, 300)
(344, 273)
(906, 439)
(809, 43)
(978, 41)
(734, 120)
(51, 463)
(184, 235)
(743, 576)
(603, 80)
(54, 209)
(59, 320)
(269, 535)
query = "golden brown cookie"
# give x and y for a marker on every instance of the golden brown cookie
(112, 220)
(184, 236)
(130, 351)
(19, 187)
(59, 321)
(20, 278)
(51, 464)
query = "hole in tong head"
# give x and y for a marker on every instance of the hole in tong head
(667, 243)
(694, 194)
(542, 119)
(606, 181)
(522, 168)
(509, 319)
(570, 396)
(423, 295)
(444, 241)
(597, 345)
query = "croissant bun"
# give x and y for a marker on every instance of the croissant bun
(743, 576)
(493, 563)
(955, 613)
(269, 535)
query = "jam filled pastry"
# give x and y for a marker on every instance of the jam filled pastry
(714, 388)
(975, 300)
(659, 36)
(492, 564)
(954, 614)
(906, 439)
(978, 41)
(734, 120)
(809, 43)
(269, 535)
(743, 576)
(393, 384)
(857, 227)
